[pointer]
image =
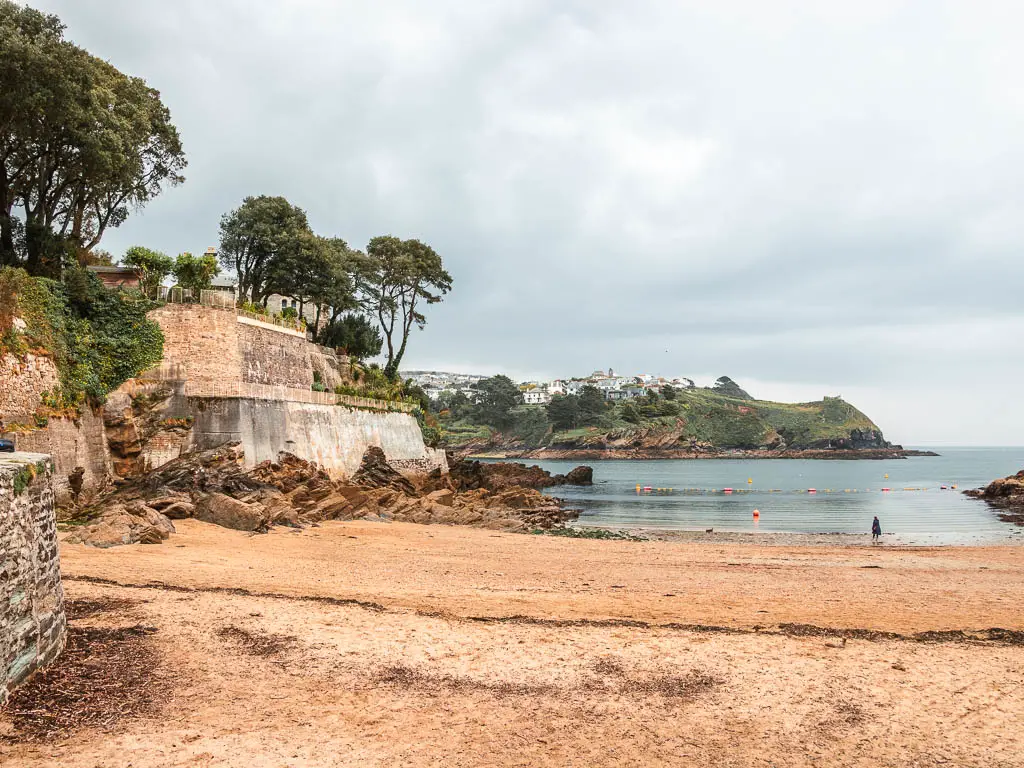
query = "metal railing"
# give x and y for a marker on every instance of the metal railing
(226, 300)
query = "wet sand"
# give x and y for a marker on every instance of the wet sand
(431, 645)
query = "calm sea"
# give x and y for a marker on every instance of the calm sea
(848, 494)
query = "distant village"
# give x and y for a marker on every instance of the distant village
(612, 385)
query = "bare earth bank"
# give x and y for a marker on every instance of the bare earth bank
(383, 645)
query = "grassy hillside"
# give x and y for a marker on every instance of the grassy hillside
(692, 417)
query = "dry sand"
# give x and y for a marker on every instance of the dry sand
(604, 665)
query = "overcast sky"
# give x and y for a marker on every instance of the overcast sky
(810, 197)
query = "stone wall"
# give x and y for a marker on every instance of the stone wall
(272, 356)
(333, 436)
(32, 623)
(71, 443)
(77, 442)
(22, 383)
(201, 340)
(214, 346)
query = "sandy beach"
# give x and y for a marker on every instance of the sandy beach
(378, 644)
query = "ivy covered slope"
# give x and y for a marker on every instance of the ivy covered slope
(675, 421)
(97, 337)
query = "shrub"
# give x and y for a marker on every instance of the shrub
(97, 337)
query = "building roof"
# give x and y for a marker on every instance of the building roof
(114, 270)
(225, 280)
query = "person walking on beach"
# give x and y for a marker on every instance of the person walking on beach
(876, 529)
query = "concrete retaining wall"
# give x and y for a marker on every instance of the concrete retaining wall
(32, 624)
(333, 436)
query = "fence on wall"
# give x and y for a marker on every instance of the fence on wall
(225, 300)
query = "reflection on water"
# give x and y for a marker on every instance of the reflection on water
(847, 495)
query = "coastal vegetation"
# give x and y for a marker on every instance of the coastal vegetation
(723, 417)
(97, 337)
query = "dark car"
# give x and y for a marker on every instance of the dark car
(6, 446)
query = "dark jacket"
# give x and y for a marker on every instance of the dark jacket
(876, 528)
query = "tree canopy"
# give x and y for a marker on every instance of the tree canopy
(81, 144)
(564, 411)
(496, 397)
(354, 333)
(195, 272)
(726, 386)
(396, 278)
(155, 266)
(257, 238)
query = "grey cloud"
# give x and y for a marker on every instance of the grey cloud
(813, 195)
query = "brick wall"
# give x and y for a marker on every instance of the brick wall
(32, 623)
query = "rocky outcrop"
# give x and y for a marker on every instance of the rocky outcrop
(1006, 495)
(375, 472)
(498, 476)
(131, 523)
(215, 486)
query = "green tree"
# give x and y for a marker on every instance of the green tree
(726, 386)
(668, 392)
(155, 267)
(195, 272)
(630, 413)
(495, 399)
(592, 405)
(564, 412)
(396, 278)
(81, 144)
(529, 424)
(256, 237)
(356, 334)
(317, 272)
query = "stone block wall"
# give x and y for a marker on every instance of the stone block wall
(71, 443)
(22, 383)
(32, 623)
(201, 340)
(272, 356)
(206, 345)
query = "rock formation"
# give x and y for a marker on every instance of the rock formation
(214, 486)
(469, 475)
(1006, 495)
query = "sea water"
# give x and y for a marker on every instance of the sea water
(848, 494)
